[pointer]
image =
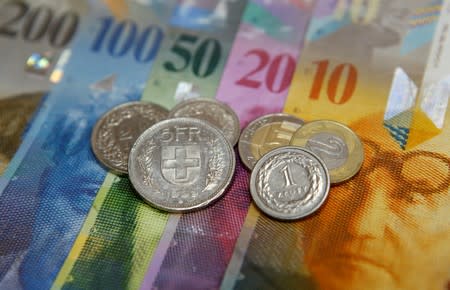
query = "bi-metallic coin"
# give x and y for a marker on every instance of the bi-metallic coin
(289, 183)
(181, 164)
(264, 134)
(117, 130)
(215, 113)
(336, 144)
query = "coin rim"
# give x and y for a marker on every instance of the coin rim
(252, 126)
(227, 108)
(95, 150)
(270, 212)
(336, 175)
(219, 193)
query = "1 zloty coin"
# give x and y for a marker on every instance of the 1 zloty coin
(181, 164)
(116, 131)
(336, 144)
(215, 113)
(289, 183)
(264, 134)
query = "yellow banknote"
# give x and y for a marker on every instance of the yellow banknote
(380, 67)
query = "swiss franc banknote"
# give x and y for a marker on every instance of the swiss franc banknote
(196, 248)
(141, 233)
(32, 36)
(381, 67)
(55, 176)
(263, 58)
(194, 53)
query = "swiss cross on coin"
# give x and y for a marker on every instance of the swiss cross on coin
(180, 164)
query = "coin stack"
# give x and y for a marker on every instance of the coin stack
(183, 160)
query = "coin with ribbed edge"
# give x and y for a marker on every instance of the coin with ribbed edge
(289, 183)
(181, 164)
(116, 131)
(214, 112)
(264, 134)
(336, 144)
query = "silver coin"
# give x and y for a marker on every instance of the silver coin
(117, 130)
(289, 183)
(265, 134)
(216, 113)
(181, 164)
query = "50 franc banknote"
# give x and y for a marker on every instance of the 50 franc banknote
(194, 53)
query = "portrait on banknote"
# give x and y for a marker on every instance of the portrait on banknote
(388, 227)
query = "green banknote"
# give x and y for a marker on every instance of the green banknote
(191, 61)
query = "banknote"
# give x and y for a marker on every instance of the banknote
(198, 250)
(56, 177)
(263, 58)
(32, 36)
(140, 231)
(379, 67)
(194, 53)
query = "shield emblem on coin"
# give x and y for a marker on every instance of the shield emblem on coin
(181, 164)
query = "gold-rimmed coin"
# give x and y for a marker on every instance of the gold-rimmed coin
(265, 134)
(336, 144)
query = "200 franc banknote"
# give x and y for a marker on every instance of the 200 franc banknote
(377, 66)
(32, 36)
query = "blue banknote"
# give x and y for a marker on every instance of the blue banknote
(51, 182)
